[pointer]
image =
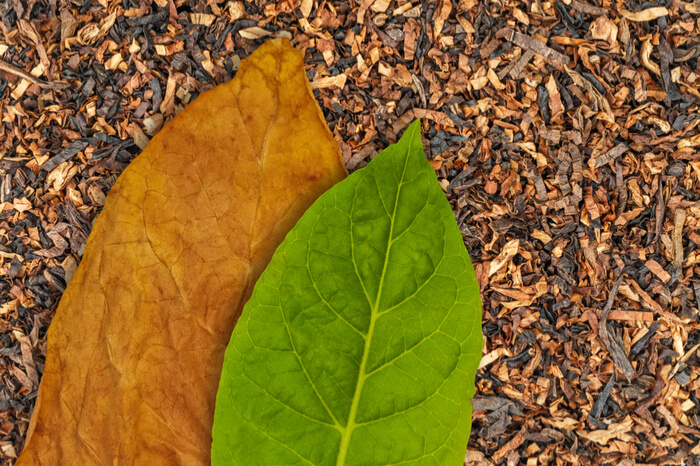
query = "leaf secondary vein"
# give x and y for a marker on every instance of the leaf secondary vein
(306, 373)
(318, 292)
(350, 426)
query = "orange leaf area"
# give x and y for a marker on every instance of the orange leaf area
(136, 347)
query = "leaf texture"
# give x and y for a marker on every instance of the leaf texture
(361, 341)
(137, 344)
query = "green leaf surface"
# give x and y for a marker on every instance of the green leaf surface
(360, 343)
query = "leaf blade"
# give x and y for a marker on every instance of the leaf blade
(370, 306)
(136, 347)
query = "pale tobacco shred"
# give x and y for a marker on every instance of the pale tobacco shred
(569, 128)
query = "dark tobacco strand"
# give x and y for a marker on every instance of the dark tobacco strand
(600, 402)
(639, 346)
(610, 340)
(148, 19)
(65, 155)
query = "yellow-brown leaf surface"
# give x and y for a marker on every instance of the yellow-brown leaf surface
(136, 347)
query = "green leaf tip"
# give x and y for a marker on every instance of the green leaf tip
(411, 136)
(361, 340)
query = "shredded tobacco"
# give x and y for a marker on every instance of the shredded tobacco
(565, 135)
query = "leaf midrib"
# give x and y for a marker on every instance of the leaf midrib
(346, 434)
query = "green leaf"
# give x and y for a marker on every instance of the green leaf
(360, 343)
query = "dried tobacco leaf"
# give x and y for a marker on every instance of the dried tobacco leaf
(360, 343)
(649, 14)
(136, 348)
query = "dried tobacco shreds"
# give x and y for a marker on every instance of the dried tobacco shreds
(507, 180)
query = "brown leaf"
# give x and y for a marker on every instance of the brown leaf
(658, 270)
(537, 46)
(507, 253)
(620, 430)
(254, 33)
(444, 13)
(555, 104)
(136, 347)
(510, 445)
(649, 14)
(91, 32)
(603, 28)
(645, 57)
(679, 217)
(608, 157)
